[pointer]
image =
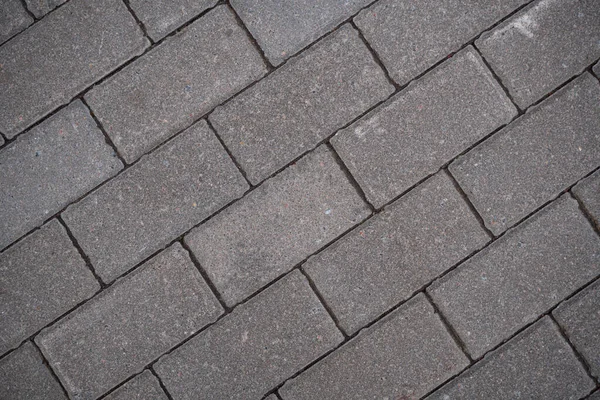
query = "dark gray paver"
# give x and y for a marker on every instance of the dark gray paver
(535, 158)
(542, 46)
(125, 327)
(176, 83)
(144, 386)
(52, 165)
(301, 104)
(594, 396)
(39, 8)
(537, 364)
(410, 37)
(284, 28)
(58, 57)
(588, 192)
(520, 276)
(385, 260)
(278, 225)
(158, 199)
(13, 19)
(423, 127)
(403, 356)
(255, 348)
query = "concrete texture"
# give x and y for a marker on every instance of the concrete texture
(13, 19)
(144, 386)
(588, 192)
(39, 8)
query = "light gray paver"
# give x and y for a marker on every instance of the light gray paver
(278, 225)
(176, 83)
(39, 8)
(537, 364)
(47, 65)
(144, 386)
(588, 192)
(393, 255)
(125, 327)
(255, 348)
(52, 165)
(410, 37)
(520, 276)
(155, 201)
(542, 46)
(403, 356)
(423, 127)
(301, 104)
(13, 19)
(535, 158)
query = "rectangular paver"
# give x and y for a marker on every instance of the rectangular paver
(542, 46)
(144, 386)
(58, 57)
(13, 19)
(535, 158)
(278, 225)
(588, 192)
(120, 331)
(176, 83)
(423, 127)
(52, 165)
(155, 201)
(39, 8)
(401, 357)
(301, 104)
(255, 348)
(393, 255)
(520, 276)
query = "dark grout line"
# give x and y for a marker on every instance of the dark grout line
(138, 21)
(107, 138)
(588, 215)
(161, 383)
(47, 364)
(35, 19)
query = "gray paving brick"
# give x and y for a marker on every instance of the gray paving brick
(278, 225)
(411, 37)
(597, 69)
(537, 364)
(520, 276)
(52, 165)
(403, 356)
(272, 397)
(255, 348)
(58, 57)
(301, 104)
(535, 158)
(13, 19)
(39, 8)
(588, 192)
(23, 376)
(542, 46)
(176, 83)
(125, 327)
(144, 386)
(283, 29)
(387, 259)
(594, 396)
(155, 201)
(423, 127)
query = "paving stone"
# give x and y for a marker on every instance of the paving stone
(297, 106)
(272, 397)
(39, 8)
(519, 277)
(255, 348)
(155, 201)
(535, 158)
(387, 259)
(588, 192)
(52, 165)
(144, 386)
(13, 19)
(423, 127)
(537, 364)
(594, 396)
(54, 60)
(125, 327)
(542, 46)
(597, 69)
(176, 83)
(410, 37)
(23, 376)
(283, 29)
(276, 226)
(403, 356)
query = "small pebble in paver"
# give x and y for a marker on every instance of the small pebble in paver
(542, 46)
(404, 356)
(278, 225)
(144, 386)
(155, 201)
(410, 37)
(50, 166)
(58, 57)
(535, 158)
(301, 104)
(519, 277)
(385, 260)
(176, 83)
(13, 19)
(423, 127)
(39, 8)
(537, 364)
(120, 331)
(588, 192)
(255, 348)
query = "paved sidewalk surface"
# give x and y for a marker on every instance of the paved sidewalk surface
(263, 199)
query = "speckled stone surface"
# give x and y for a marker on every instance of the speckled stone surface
(39, 8)
(13, 19)
(144, 386)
